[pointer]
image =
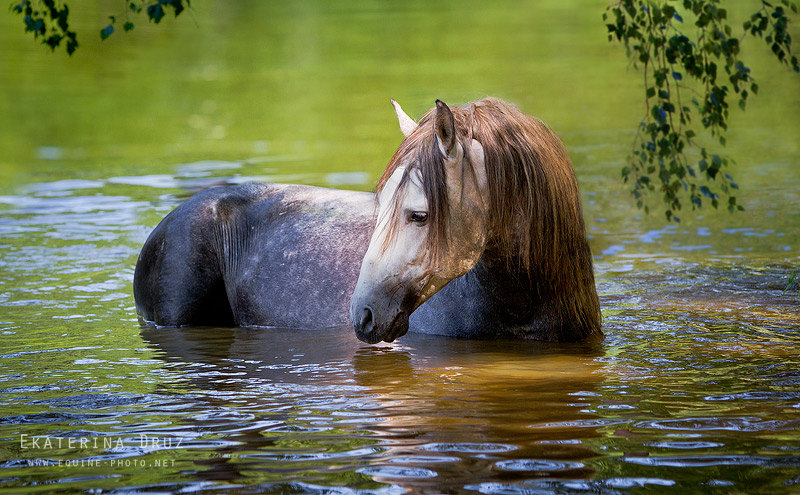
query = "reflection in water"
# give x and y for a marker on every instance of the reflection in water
(417, 413)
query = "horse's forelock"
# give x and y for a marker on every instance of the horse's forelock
(419, 151)
(534, 206)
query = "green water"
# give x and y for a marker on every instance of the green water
(695, 387)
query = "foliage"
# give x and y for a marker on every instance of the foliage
(49, 20)
(692, 68)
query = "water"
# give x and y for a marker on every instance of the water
(695, 387)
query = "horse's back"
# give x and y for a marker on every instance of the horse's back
(238, 255)
(302, 264)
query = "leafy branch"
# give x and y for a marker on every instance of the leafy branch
(49, 20)
(699, 56)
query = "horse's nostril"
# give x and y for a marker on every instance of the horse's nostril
(365, 322)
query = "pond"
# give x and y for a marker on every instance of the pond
(695, 387)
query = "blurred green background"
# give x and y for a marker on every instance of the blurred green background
(305, 86)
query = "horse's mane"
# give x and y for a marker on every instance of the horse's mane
(535, 221)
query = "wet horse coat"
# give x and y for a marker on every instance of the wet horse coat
(291, 256)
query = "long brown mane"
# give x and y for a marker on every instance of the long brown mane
(535, 221)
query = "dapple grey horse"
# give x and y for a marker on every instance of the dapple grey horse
(475, 231)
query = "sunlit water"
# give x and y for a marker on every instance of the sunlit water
(696, 386)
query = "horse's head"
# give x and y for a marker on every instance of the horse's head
(431, 223)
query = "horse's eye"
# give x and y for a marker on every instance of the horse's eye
(419, 217)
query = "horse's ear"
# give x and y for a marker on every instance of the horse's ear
(445, 127)
(407, 124)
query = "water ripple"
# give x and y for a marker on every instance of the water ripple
(538, 465)
(721, 423)
(315, 456)
(685, 445)
(469, 448)
(719, 460)
(548, 487)
(397, 472)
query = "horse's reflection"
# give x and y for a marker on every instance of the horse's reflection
(424, 397)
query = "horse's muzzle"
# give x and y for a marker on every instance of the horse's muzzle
(371, 331)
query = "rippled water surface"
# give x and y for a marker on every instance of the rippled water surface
(696, 387)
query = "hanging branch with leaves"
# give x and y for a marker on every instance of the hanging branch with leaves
(49, 20)
(692, 69)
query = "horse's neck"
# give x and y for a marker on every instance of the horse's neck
(506, 288)
(521, 306)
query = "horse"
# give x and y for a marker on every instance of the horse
(475, 230)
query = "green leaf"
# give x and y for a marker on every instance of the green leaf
(155, 12)
(106, 32)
